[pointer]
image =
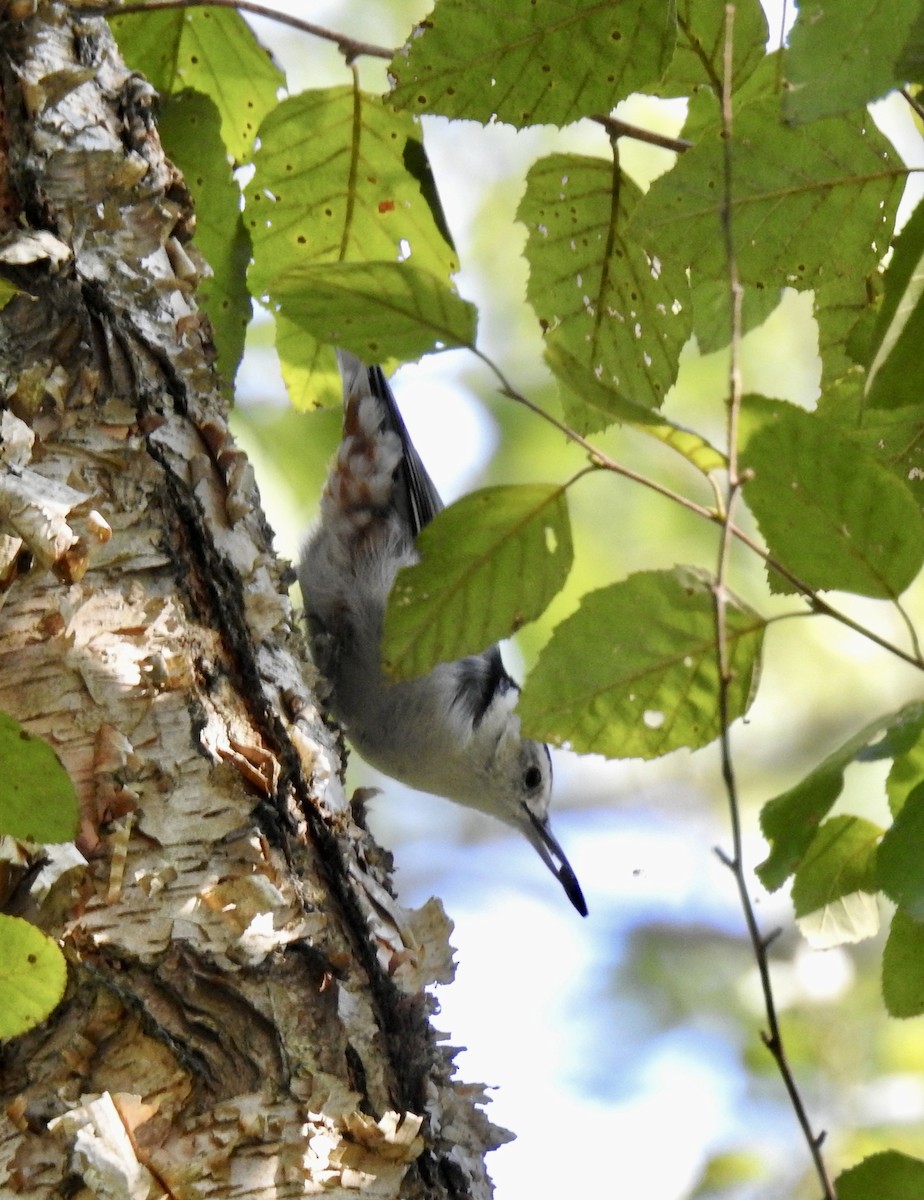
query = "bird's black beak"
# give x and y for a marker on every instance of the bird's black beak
(554, 858)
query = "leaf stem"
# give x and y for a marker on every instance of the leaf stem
(773, 1040)
(349, 47)
(617, 129)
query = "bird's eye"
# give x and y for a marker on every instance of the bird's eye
(532, 777)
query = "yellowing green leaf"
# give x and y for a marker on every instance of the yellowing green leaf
(38, 802)
(633, 672)
(33, 976)
(489, 563)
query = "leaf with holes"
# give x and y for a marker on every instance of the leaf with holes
(612, 311)
(827, 510)
(377, 310)
(213, 51)
(339, 177)
(809, 205)
(633, 673)
(548, 63)
(488, 564)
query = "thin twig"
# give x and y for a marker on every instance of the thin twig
(349, 47)
(735, 861)
(716, 515)
(915, 103)
(617, 129)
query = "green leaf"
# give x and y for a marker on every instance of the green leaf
(590, 406)
(700, 53)
(808, 205)
(633, 672)
(903, 967)
(33, 976)
(893, 378)
(840, 859)
(378, 310)
(829, 65)
(488, 564)
(547, 63)
(889, 1175)
(906, 772)
(789, 821)
(826, 508)
(899, 863)
(7, 292)
(38, 802)
(339, 177)
(895, 438)
(189, 130)
(607, 305)
(210, 50)
(712, 311)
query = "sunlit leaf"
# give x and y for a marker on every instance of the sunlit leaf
(843, 922)
(489, 563)
(33, 976)
(340, 177)
(633, 672)
(211, 50)
(900, 864)
(606, 304)
(38, 802)
(789, 821)
(826, 508)
(534, 63)
(378, 310)
(840, 859)
(189, 130)
(828, 62)
(889, 1175)
(903, 967)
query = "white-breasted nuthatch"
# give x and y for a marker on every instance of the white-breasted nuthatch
(453, 732)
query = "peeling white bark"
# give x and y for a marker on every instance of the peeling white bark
(246, 1011)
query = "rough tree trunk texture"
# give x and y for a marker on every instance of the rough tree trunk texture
(245, 1014)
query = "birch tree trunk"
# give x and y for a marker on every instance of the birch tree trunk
(245, 1012)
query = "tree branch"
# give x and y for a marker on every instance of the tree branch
(349, 47)
(735, 861)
